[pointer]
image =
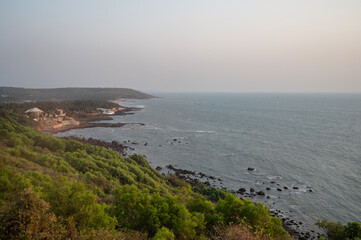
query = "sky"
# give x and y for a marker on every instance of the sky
(182, 46)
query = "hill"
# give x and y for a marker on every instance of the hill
(11, 94)
(53, 188)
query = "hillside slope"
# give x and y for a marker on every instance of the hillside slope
(12, 94)
(52, 188)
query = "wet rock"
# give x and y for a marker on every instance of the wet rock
(242, 190)
(175, 140)
(260, 193)
(250, 169)
(251, 190)
(273, 182)
(268, 197)
(158, 168)
(268, 188)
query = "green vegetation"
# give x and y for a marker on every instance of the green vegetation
(62, 189)
(11, 94)
(338, 231)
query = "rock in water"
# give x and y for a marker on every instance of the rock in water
(260, 193)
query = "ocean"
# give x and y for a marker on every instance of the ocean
(308, 141)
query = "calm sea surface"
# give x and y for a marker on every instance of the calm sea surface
(311, 141)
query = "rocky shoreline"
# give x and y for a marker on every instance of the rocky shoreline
(295, 228)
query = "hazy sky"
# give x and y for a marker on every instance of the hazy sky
(204, 45)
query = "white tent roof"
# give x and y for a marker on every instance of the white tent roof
(34, 110)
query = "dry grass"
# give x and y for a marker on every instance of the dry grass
(238, 232)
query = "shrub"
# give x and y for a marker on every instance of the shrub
(210, 193)
(49, 142)
(353, 230)
(71, 199)
(14, 141)
(334, 230)
(28, 218)
(139, 210)
(164, 234)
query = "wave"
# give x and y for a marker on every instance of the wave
(190, 131)
(198, 131)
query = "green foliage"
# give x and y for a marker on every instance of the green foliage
(72, 200)
(176, 182)
(199, 204)
(353, 230)
(90, 192)
(28, 218)
(137, 209)
(235, 210)
(51, 143)
(210, 193)
(164, 234)
(10, 184)
(336, 230)
(14, 141)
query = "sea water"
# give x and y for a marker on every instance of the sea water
(308, 141)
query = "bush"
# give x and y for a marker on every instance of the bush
(236, 211)
(210, 193)
(199, 204)
(139, 210)
(164, 234)
(14, 141)
(72, 200)
(49, 142)
(353, 230)
(337, 231)
(28, 218)
(334, 230)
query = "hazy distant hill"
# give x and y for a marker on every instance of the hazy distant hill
(29, 94)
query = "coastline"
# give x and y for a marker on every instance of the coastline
(296, 229)
(91, 122)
